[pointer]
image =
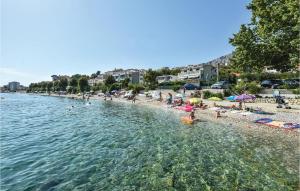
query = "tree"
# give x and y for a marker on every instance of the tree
(83, 84)
(109, 80)
(93, 76)
(271, 38)
(63, 83)
(73, 82)
(125, 82)
(98, 73)
(56, 85)
(175, 71)
(150, 77)
(49, 86)
(165, 71)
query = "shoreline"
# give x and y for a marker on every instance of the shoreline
(241, 123)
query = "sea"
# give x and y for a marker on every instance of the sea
(55, 143)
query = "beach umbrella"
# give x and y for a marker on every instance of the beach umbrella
(231, 98)
(244, 97)
(215, 99)
(195, 100)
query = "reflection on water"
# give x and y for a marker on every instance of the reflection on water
(46, 144)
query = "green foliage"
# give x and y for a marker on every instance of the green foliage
(167, 71)
(76, 76)
(207, 94)
(49, 86)
(40, 87)
(271, 39)
(83, 84)
(56, 86)
(150, 77)
(115, 86)
(244, 87)
(125, 82)
(63, 83)
(175, 88)
(268, 76)
(109, 80)
(97, 87)
(93, 76)
(136, 88)
(296, 91)
(73, 82)
(288, 86)
(227, 93)
(104, 89)
(227, 74)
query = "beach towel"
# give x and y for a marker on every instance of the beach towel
(276, 124)
(186, 108)
(263, 120)
(291, 125)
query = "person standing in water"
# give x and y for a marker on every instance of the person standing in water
(192, 115)
(160, 96)
(133, 99)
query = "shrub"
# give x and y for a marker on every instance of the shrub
(114, 86)
(219, 95)
(227, 93)
(175, 88)
(136, 88)
(151, 86)
(296, 91)
(251, 87)
(208, 94)
(104, 89)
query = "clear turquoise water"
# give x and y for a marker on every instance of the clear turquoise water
(114, 146)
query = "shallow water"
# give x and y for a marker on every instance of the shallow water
(48, 145)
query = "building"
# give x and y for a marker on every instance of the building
(203, 72)
(13, 86)
(99, 79)
(166, 78)
(135, 76)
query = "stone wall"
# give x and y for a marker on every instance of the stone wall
(291, 101)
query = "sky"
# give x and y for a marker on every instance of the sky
(40, 38)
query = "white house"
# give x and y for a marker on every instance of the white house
(99, 79)
(200, 71)
(166, 78)
(135, 75)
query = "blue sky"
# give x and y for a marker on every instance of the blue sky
(44, 37)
